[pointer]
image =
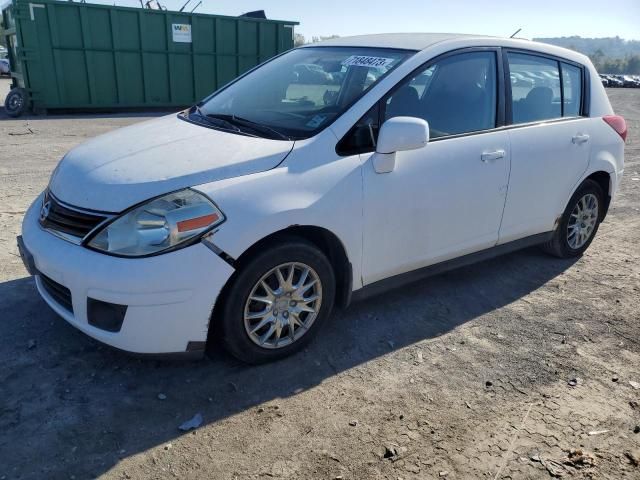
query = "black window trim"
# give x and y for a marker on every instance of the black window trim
(343, 152)
(561, 80)
(500, 98)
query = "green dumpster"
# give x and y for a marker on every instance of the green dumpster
(82, 56)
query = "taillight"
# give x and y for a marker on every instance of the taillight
(618, 124)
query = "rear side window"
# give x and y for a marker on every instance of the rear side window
(535, 88)
(456, 95)
(572, 89)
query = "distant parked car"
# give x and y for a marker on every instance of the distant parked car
(5, 68)
(629, 81)
(310, 73)
(338, 77)
(621, 81)
(605, 80)
(614, 81)
(519, 80)
(550, 76)
(537, 78)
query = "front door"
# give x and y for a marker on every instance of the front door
(446, 199)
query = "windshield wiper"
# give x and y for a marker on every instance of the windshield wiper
(227, 125)
(258, 127)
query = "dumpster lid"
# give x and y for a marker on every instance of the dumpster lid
(255, 14)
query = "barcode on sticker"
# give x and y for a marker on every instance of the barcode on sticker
(366, 61)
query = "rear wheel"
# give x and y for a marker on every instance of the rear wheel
(278, 302)
(16, 102)
(579, 222)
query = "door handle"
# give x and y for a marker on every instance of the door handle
(580, 138)
(492, 156)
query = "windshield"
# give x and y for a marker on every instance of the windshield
(299, 93)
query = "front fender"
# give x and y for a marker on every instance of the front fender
(329, 196)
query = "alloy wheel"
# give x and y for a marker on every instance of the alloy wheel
(283, 305)
(582, 221)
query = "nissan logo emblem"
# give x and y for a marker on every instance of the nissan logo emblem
(44, 211)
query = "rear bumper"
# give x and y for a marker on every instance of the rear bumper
(168, 298)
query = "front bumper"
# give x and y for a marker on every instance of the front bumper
(169, 298)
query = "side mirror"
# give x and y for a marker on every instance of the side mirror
(396, 135)
(402, 133)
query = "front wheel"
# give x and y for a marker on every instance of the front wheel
(579, 222)
(16, 102)
(277, 302)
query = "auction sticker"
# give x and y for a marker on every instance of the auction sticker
(366, 61)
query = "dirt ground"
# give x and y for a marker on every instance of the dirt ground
(466, 375)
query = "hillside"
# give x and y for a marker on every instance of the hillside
(609, 47)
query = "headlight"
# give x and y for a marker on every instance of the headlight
(160, 224)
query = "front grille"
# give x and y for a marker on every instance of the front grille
(70, 221)
(61, 294)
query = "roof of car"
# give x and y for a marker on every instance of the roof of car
(422, 41)
(407, 41)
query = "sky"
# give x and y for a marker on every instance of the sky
(539, 18)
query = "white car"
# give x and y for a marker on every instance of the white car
(252, 214)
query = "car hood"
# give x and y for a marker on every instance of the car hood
(127, 166)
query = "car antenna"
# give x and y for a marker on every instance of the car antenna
(515, 33)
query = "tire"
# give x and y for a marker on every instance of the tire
(561, 244)
(236, 306)
(16, 102)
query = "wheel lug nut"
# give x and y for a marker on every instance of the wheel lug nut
(292, 303)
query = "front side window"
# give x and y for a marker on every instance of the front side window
(535, 88)
(456, 95)
(300, 92)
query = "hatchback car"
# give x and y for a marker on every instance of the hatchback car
(250, 215)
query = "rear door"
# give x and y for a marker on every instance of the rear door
(550, 140)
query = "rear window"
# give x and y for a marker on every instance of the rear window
(535, 88)
(543, 88)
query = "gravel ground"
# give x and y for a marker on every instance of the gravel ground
(465, 375)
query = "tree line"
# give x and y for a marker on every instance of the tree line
(629, 65)
(608, 54)
(299, 39)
